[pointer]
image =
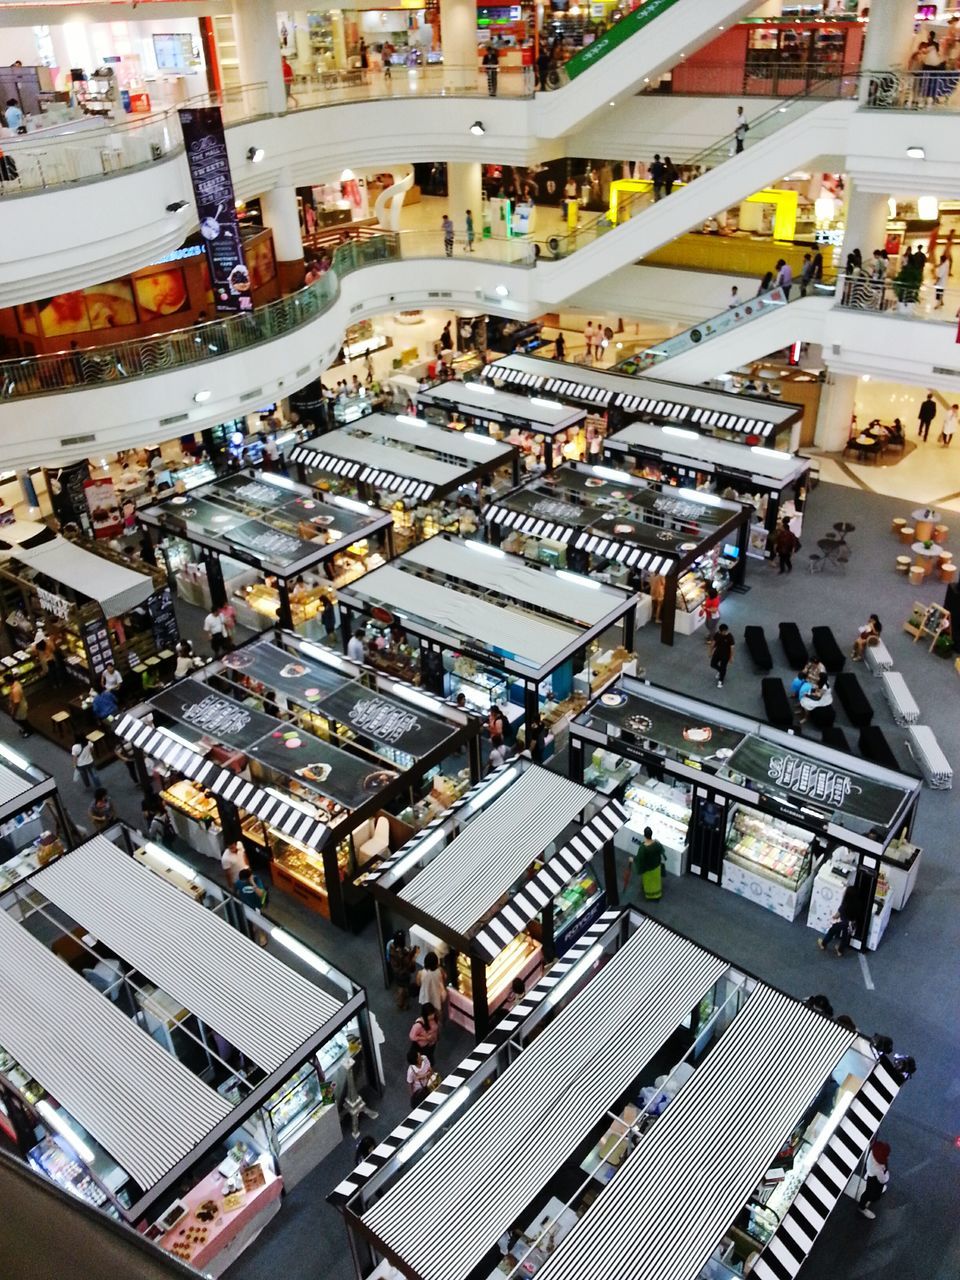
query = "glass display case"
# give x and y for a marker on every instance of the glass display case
(194, 817)
(769, 861)
(481, 688)
(664, 808)
(298, 870)
(575, 907)
(296, 1104)
(520, 958)
(54, 1158)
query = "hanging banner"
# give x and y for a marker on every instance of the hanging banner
(206, 149)
(103, 507)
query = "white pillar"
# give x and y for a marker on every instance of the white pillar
(865, 223)
(339, 39)
(464, 191)
(836, 412)
(258, 49)
(279, 208)
(301, 34)
(458, 38)
(889, 38)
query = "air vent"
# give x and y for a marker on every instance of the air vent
(836, 348)
(946, 373)
(174, 419)
(71, 440)
(301, 372)
(357, 306)
(255, 394)
(440, 293)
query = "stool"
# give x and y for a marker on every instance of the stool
(916, 574)
(815, 562)
(924, 530)
(948, 571)
(940, 532)
(897, 524)
(94, 736)
(906, 533)
(903, 564)
(60, 721)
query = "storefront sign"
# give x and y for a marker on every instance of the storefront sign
(206, 149)
(269, 544)
(163, 619)
(217, 717)
(677, 508)
(554, 509)
(53, 604)
(385, 721)
(621, 31)
(230, 723)
(382, 720)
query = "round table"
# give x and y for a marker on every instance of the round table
(924, 520)
(926, 557)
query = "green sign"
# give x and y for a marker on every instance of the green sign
(620, 31)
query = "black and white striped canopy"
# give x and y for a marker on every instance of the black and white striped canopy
(407, 488)
(787, 1249)
(317, 460)
(293, 820)
(350, 469)
(627, 553)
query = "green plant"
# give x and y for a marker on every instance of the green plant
(928, 543)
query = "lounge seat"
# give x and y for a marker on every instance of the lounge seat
(854, 701)
(835, 738)
(874, 747)
(827, 649)
(822, 717)
(793, 646)
(757, 647)
(776, 703)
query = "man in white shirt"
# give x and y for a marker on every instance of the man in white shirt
(355, 649)
(233, 860)
(214, 628)
(949, 425)
(112, 679)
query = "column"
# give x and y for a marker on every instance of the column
(258, 50)
(464, 191)
(339, 40)
(889, 38)
(458, 37)
(301, 35)
(865, 223)
(279, 207)
(836, 412)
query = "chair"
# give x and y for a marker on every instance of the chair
(827, 649)
(835, 738)
(815, 562)
(793, 646)
(372, 839)
(757, 647)
(776, 703)
(853, 700)
(903, 564)
(875, 748)
(822, 717)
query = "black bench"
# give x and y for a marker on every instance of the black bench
(757, 647)
(836, 738)
(874, 747)
(855, 702)
(776, 703)
(827, 649)
(793, 645)
(822, 717)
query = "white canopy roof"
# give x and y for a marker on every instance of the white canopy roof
(544, 416)
(419, 434)
(113, 587)
(707, 452)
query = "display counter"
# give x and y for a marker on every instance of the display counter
(194, 817)
(901, 862)
(770, 862)
(666, 810)
(829, 886)
(575, 909)
(521, 958)
(300, 872)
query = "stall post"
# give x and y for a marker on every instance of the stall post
(743, 538)
(707, 834)
(547, 452)
(230, 822)
(284, 612)
(630, 628)
(547, 939)
(610, 881)
(668, 611)
(575, 759)
(387, 975)
(474, 760)
(866, 887)
(218, 591)
(331, 875)
(481, 1010)
(531, 707)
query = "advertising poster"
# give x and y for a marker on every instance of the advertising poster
(103, 507)
(206, 149)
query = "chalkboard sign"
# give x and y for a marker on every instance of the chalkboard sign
(163, 619)
(96, 641)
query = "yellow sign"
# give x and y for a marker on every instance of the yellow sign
(784, 204)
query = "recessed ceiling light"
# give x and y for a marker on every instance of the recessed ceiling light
(502, 291)
(201, 397)
(916, 153)
(255, 154)
(477, 129)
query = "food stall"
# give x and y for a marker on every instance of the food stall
(783, 821)
(623, 530)
(33, 824)
(770, 483)
(251, 539)
(167, 1106)
(613, 398)
(544, 431)
(415, 471)
(320, 773)
(500, 884)
(578, 1137)
(467, 618)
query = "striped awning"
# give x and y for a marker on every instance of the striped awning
(558, 871)
(788, 1247)
(403, 485)
(687, 1179)
(13, 785)
(520, 1132)
(627, 553)
(189, 951)
(144, 1107)
(319, 461)
(705, 419)
(469, 876)
(293, 819)
(503, 373)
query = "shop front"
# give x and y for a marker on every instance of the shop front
(33, 825)
(545, 432)
(676, 543)
(500, 885)
(319, 773)
(613, 399)
(780, 820)
(429, 479)
(770, 483)
(699, 1075)
(166, 1106)
(465, 618)
(276, 551)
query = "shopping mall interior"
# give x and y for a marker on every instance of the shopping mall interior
(476, 482)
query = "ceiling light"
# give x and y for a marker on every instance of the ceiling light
(502, 291)
(255, 154)
(176, 205)
(477, 129)
(928, 208)
(916, 153)
(613, 104)
(347, 175)
(201, 397)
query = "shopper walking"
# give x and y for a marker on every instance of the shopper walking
(710, 610)
(447, 225)
(214, 630)
(722, 654)
(878, 1176)
(588, 340)
(928, 411)
(491, 64)
(658, 174)
(19, 708)
(785, 543)
(355, 649)
(670, 175)
(426, 1028)
(124, 751)
(559, 347)
(942, 275)
(83, 766)
(431, 987)
(101, 810)
(251, 890)
(544, 59)
(739, 131)
(648, 862)
(842, 926)
(233, 860)
(419, 1071)
(402, 960)
(471, 235)
(949, 426)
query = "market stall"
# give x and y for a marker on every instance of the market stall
(699, 1075)
(618, 529)
(771, 483)
(417, 472)
(544, 431)
(274, 550)
(319, 772)
(612, 399)
(33, 824)
(783, 821)
(500, 884)
(467, 618)
(166, 1105)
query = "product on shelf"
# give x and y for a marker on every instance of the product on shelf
(770, 848)
(191, 800)
(500, 972)
(668, 803)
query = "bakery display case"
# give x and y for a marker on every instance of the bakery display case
(54, 1158)
(481, 688)
(522, 957)
(769, 861)
(298, 870)
(193, 815)
(305, 1122)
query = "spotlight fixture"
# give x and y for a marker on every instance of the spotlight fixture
(502, 291)
(916, 153)
(477, 129)
(255, 154)
(201, 397)
(176, 205)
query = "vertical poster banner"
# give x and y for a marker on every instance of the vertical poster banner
(206, 149)
(103, 507)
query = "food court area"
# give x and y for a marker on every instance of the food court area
(466, 667)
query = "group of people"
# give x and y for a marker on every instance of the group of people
(449, 232)
(926, 415)
(219, 626)
(872, 284)
(663, 175)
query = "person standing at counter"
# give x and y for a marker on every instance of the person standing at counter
(431, 986)
(355, 649)
(710, 609)
(233, 860)
(841, 930)
(426, 1028)
(82, 752)
(19, 708)
(648, 860)
(214, 630)
(328, 618)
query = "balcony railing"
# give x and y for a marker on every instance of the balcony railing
(913, 299)
(777, 79)
(925, 90)
(434, 80)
